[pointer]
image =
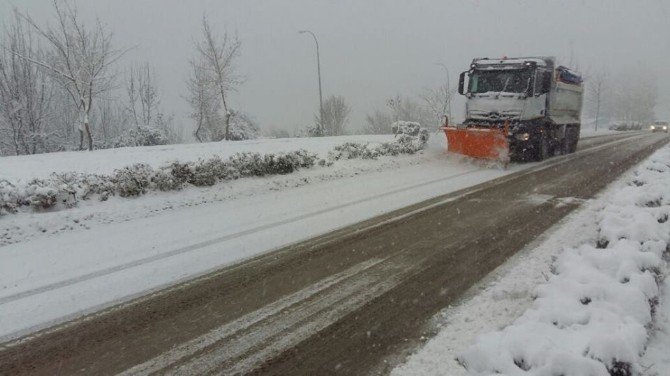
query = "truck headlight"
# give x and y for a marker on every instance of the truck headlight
(665, 127)
(652, 127)
(522, 136)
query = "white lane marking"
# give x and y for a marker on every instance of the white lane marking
(193, 346)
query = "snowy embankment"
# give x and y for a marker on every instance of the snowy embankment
(583, 301)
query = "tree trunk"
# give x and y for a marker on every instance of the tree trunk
(226, 120)
(81, 139)
(88, 135)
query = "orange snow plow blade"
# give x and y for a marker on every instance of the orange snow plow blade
(482, 143)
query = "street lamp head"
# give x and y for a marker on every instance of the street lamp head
(302, 31)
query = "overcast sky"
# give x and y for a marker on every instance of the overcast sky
(371, 50)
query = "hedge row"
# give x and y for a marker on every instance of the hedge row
(135, 180)
(138, 179)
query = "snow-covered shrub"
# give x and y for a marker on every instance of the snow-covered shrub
(205, 173)
(254, 164)
(242, 128)
(304, 158)
(248, 163)
(71, 187)
(42, 194)
(132, 180)
(286, 163)
(9, 197)
(410, 138)
(354, 150)
(164, 180)
(101, 185)
(144, 135)
(417, 134)
(406, 127)
(182, 173)
(218, 168)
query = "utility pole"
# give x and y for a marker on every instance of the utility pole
(318, 70)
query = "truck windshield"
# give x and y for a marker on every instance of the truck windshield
(508, 81)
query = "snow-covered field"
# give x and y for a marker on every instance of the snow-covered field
(581, 301)
(62, 263)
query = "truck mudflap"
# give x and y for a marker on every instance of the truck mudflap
(481, 142)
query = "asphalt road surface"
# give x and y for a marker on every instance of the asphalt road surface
(350, 302)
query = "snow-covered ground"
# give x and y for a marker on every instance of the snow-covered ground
(60, 264)
(580, 301)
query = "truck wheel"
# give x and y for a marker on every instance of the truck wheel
(544, 148)
(573, 132)
(566, 142)
(569, 143)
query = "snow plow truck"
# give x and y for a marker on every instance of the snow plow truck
(517, 109)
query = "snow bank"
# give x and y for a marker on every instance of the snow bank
(656, 360)
(593, 315)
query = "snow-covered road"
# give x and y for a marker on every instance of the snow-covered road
(102, 265)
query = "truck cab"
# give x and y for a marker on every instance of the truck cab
(540, 101)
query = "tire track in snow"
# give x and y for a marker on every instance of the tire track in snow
(262, 334)
(225, 331)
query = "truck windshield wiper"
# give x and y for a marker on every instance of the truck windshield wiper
(503, 89)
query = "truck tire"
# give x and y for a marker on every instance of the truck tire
(569, 142)
(574, 138)
(566, 142)
(543, 147)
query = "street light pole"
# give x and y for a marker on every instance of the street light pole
(448, 99)
(318, 70)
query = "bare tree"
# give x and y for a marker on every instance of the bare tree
(143, 103)
(596, 88)
(437, 101)
(215, 66)
(406, 109)
(26, 94)
(112, 120)
(398, 108)
(80, 59)
(378, 123)
(143, 98)
(203, 103)
(335, 116)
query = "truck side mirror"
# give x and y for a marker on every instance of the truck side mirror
(461, 83)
